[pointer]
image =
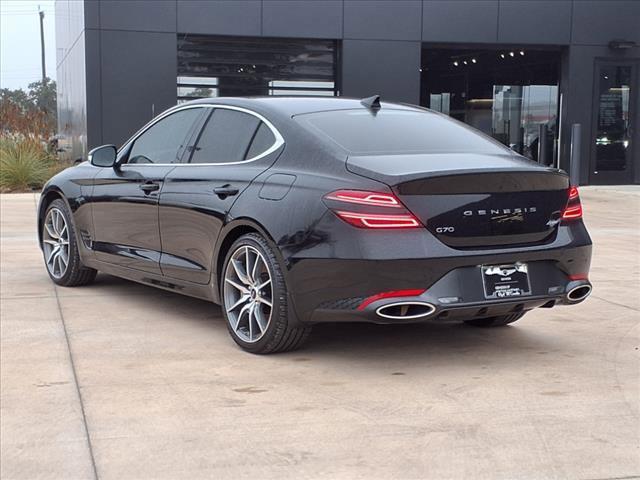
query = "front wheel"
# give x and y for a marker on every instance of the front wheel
(254, 299)
(500, 321)
(60, 248)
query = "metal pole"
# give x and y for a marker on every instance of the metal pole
(560, 131)
(574, 166)
(542, 144)
(44, 72)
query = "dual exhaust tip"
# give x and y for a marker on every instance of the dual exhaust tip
(405, 310)
(579, 293)
(411, 310)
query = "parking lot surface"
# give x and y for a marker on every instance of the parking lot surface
(118, 381)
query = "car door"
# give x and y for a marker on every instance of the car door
(125, 198)
(233, 147)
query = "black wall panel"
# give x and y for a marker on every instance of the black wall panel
(388, 68)
(302, 18)
(138, 78)
(383, 19)
(93, 89)
(140, 15)
(535, 22)
(222, 17)
(599, 22)
(460, 21)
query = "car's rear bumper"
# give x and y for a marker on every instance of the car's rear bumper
(334, 290)
(450, 308)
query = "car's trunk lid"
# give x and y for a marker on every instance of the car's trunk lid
(474, 200)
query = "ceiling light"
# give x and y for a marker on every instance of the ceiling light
(465, 62)
(502, 55)
(522, 52)
(473, 60)
(511, 54)
(455, 64)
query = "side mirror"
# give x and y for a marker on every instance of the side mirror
(104, 156)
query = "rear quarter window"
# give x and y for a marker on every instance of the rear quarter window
(389, 131)
(226, 137)
(262, 141)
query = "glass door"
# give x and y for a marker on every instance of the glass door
(611, 143)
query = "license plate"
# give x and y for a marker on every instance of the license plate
(504, 281)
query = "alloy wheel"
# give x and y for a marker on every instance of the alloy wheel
(55, 241)
(248, 293)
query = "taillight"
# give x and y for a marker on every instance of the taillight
(393, 294)
(364, 198)
(373, 210)
(371, 220)
(573, 193)
(573, 210)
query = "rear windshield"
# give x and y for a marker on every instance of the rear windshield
(397, 132)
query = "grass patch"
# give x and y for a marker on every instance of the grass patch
(25, 164)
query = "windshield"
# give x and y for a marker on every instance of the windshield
(362, 132)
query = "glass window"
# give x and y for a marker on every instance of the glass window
(262, 141)
(397, 132)
(163, 142)
(216, 66)
(510, 94)
(613, 136)
(225, 137)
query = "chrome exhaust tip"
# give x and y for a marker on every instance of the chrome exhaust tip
(579, 293)
(405, 310)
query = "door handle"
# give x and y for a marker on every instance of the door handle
(225, 191)
(149, 187)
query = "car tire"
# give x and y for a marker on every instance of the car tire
(254, 299)
(62, 238)
(500, 321)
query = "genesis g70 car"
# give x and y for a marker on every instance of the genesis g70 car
(293, 211)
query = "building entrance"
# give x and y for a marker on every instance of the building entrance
(510, 94)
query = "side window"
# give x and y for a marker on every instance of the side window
(228, 136)
(163, 142)
(262, 141)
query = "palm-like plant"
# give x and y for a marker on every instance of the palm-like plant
(24, 163)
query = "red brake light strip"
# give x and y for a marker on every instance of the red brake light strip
(395, 293)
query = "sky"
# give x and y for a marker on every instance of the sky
(20, 42)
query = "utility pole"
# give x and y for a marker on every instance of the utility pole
(44, 72)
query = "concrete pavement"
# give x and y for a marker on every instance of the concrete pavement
(122, 381)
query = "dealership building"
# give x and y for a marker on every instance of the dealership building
(541, 76)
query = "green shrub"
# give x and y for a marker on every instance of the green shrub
(25, 163)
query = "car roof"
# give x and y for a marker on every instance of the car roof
(296, 105)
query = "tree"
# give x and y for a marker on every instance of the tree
(28, 112)
(201, 92)
(19, 98)
(43, 95)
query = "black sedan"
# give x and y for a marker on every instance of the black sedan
(293, 211)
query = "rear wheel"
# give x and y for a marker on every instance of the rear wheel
(500, 321)
(254, 299)
(60, 248)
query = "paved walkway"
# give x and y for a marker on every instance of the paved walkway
(121, 381)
